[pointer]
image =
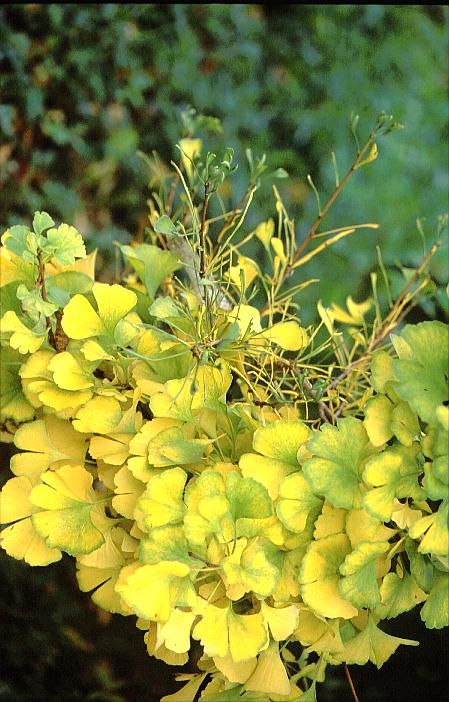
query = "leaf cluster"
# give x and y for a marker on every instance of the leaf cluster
(217, 469)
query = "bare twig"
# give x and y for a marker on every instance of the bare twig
(40, 283)
(202, 233)
(350, 683)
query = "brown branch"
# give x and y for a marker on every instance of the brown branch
(322, 214)
(350, 683)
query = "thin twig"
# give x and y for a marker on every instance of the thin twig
(350, 683)
(40, 283)
(202, 234)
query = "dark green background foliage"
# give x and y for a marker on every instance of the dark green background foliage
(82, 87)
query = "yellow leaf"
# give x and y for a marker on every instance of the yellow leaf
(51, 443)
(176, 631)
(20, 539)
(288, 335)
(264, 231)
(191, 149)
(68, 374)
(249, 268)
(270, 675)
(22, 338)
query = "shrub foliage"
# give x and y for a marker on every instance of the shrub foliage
(219, 470)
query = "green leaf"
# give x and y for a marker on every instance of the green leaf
(296, 502)
(339, 454)
(151, 264)
(65, 244)
(398, 595)
(421, 369)
(248, 569)
(393, 473)
(359, 582)
(435, 613)
(164, 225)
(41, 222)
(432, 530)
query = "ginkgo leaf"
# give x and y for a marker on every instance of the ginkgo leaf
(377, 422)
(393, 473)
(432, 531)
(127, 491)
(282, 621)
(70, 512)
(13, 403)
(288, 335)
(435, 613)
(102, 415)
(66, 244)
(359, 583)
(264, 231)
(373, 645)
(245, 267)
(235, 672)
(162, 503)
(398, 595)
(281, 440)
(339, 454)
(151, 264)
(176, 631)
(112, 449)
(404, 424)
(170, 447)
(81, 321)
(270, 675)
(296, 502)
(206, 387)
(139, 445)
(319, 577)
(166, 543)
(23, 339)
(50, 443)
(20, 539)
(247, 498)
(68, 374)
(153, 591)
(421, 369)
(221, 630)
(99, 571)
(267, 471)
(247, 569)
(330, 521)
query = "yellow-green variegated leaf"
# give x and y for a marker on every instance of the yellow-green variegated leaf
(81, 321)
(398, 595)
(339, 454)
(162, 502)
(72, 517)
(20, 539)
(247, 569)
(126, 492)
(432, 530)
(296, 502)
(319, 577)
(68, 374)
(421, 369)
(21, 338)
(371, 644)
(13, 403)
(359, 583)
(435, 613)
(268, 471)
(392, 474)
(281, 440)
